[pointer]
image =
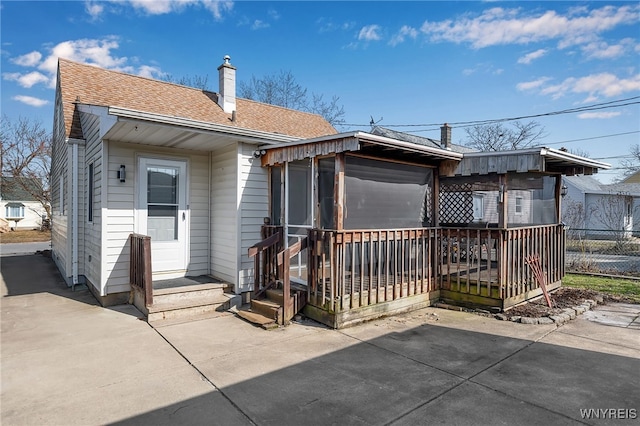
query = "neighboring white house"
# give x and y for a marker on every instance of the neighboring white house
(137, 155)
(591, 205)
(18, 206)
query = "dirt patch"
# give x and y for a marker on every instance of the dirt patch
(563, 298)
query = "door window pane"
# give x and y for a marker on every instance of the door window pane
(162, 203)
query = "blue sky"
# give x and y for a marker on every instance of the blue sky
(415, 63)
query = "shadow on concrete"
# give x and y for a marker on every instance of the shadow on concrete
(35, 273)
(425, 375)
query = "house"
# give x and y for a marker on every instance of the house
(19, 207)
(133, 155)
(602, 209)
(155, 184)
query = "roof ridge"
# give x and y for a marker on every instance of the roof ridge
(123, 73)
(109, 70)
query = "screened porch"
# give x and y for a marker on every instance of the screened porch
(372, 228)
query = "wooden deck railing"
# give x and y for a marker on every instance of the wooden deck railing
(291, 304)
(492, 262)
(266, 271)
(140, 266)
(349, 269)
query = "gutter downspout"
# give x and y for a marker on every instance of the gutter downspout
(75, 215)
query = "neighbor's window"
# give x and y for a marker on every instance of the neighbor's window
(14, 211)
(518, 204)
(478, 207)
(90, 201)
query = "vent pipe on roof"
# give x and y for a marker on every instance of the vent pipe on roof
(445, 136)
(227, 84)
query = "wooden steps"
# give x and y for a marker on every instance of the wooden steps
(268, 312)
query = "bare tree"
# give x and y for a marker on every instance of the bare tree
(632, 164)
(282, 89)
(499, 137)
(614, 212)
(26, 153)
(198, 81)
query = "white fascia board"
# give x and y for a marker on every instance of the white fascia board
(255, 135)
(562, 155)
(376, 139)
(107, 121)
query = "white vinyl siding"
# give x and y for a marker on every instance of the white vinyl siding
(224, 213)
(121, 210)
(253, 206)
(89, 252)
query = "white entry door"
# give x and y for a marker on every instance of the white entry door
(163, 213)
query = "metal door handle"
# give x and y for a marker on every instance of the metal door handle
(183, 216)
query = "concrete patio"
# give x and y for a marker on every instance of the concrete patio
(66, 360)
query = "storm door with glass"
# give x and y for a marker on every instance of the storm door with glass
(162, 212)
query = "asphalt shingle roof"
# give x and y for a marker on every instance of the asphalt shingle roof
(420, 140)
(96, 86)
(16, 188)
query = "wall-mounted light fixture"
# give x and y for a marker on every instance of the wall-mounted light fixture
(121, 173)
(564, 190)
(501, 193)
(259, 153)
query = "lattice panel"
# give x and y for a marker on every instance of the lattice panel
(456, 203)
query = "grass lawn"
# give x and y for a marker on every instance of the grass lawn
(616, 286)
(26, 236)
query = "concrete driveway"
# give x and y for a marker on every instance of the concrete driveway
(65, 360)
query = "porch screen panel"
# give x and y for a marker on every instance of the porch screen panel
(537, 205)
(326, 183)
(386, 195)
(299, 195)
(276, 195)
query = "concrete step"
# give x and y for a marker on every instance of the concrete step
(183, 294)
(191, 307)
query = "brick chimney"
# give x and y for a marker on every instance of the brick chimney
(227, 84)
(445, 136)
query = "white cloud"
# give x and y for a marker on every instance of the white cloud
(149, 71)
(94, 9)
(99, 52)
(258, 25)
(530, 57)
(604, 50)
(499, 26)
(405, 31)
(26, 80)
(601, 115)
(30, 100)
(161, 7)
(28, 60)
(370, 33)
(534, 84)
(595, 86)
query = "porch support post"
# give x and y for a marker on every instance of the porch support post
(338, 192)
(558, 198)
(502, 202)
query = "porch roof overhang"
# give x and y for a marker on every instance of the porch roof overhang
(132, 126)
(351, 142)
(540, 159)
